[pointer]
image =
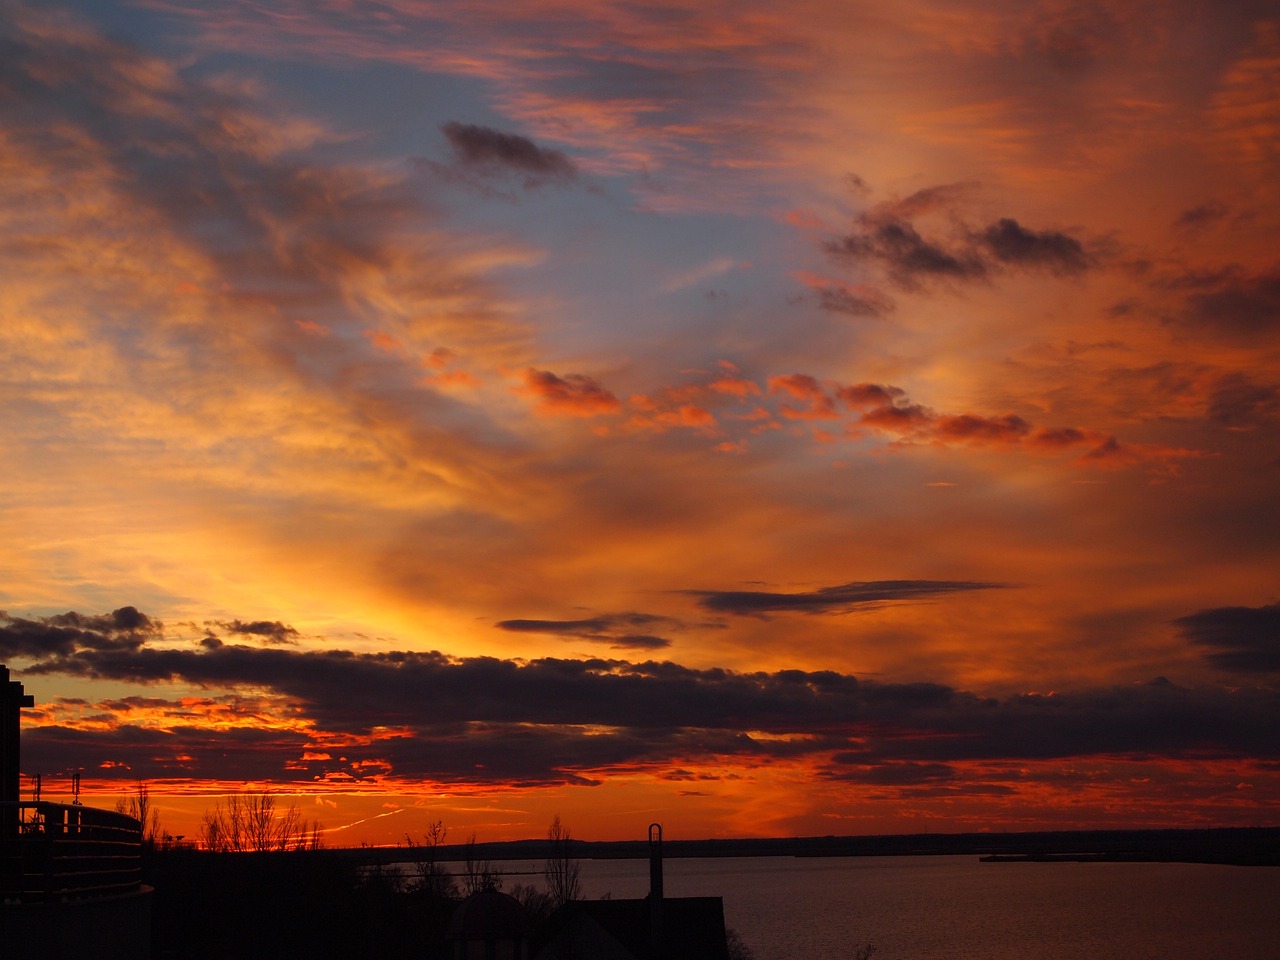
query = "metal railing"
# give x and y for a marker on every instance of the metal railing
(59, 851)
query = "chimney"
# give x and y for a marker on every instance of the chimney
(657, 940)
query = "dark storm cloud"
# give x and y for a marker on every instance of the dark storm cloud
(967, 426)
(135, 752)
(1244, 639)
(908, 256)
(1144, 721)
(481, 719)
(270, 631)
(1075, 39)
(1011, 243)
(615, 630)
(1057, 437)
(837, 299)
(351, 691)
(639, 641)
(862, 395)
(1201, 216)
(1239, 401)
(530, 756)
(851, 768)
(1243, 309)
(65, 633)
(140, 703)
(888, 234)
(831, 599)
(573, 628)
(492, 151)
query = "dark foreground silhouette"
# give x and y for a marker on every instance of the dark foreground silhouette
(350, 904)
(317, 904)
(322, 904)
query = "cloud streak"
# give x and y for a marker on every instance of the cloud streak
(618, 630)
(838, 599)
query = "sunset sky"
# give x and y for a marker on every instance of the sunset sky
(767, 419)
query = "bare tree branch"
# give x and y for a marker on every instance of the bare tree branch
(561, 869)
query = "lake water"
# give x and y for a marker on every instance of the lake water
(957, 908)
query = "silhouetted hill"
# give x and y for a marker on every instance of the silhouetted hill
(1242, 846)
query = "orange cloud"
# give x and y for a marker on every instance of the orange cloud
(574, 395)
(735, 386)
(818, 406)
(651, 418)
(383, 341)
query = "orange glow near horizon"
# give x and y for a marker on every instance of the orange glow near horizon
(1111, 793)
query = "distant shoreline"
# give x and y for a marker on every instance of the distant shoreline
(1240, 846)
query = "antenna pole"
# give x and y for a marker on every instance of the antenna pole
(657, 936)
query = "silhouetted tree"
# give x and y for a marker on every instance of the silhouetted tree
(480, 874)
(536, 902)
(738, 950)
(433, 879)
(250, 823)
(561, 869)
(138, 805)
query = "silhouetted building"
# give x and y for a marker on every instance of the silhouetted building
(654, 928)
(12, 699)
(489, 925)
(70, 875)
(620, 930)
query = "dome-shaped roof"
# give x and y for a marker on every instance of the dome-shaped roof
(489, 915)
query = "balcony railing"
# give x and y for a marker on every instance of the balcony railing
(58, 851)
